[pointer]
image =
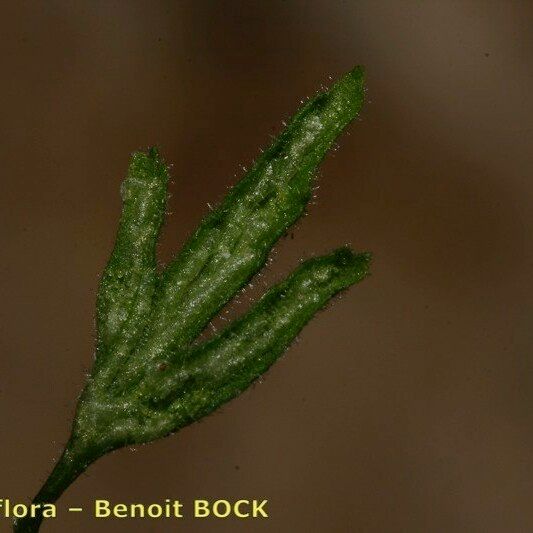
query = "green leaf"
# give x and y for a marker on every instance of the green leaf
(150, 377)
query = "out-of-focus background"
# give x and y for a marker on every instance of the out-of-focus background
(406, 406)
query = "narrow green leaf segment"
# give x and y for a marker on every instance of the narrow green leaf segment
(150, 377)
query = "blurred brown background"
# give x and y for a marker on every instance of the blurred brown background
(406, 406)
